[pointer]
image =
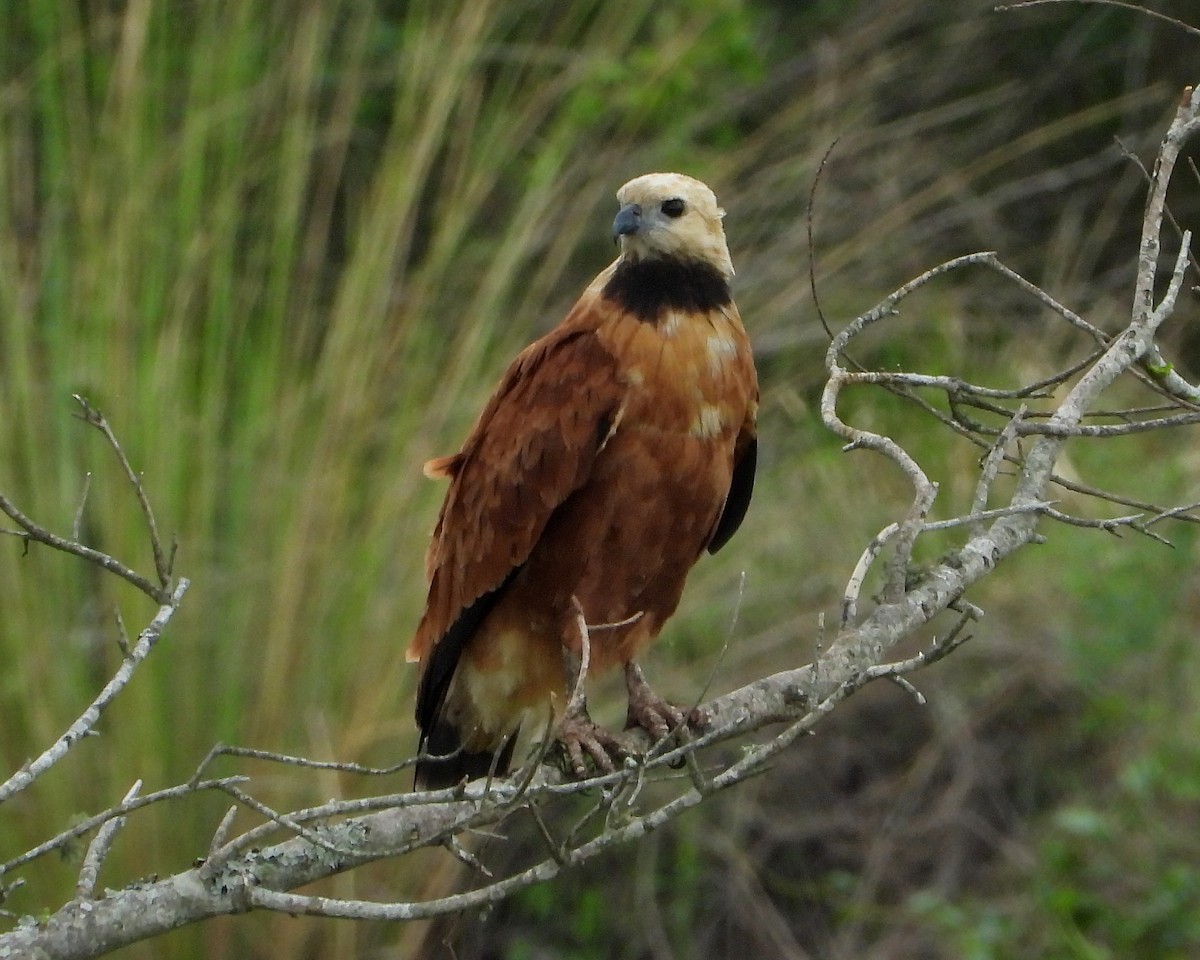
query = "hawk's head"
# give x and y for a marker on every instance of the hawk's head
(671, 216)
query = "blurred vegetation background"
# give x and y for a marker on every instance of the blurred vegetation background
(287, 249)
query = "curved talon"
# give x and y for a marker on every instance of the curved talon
(578, 734)
(657, 716)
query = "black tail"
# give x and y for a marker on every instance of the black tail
(439, 736)
(444, 740)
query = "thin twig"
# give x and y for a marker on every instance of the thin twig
(284, 820)
(287, 759)
(939, 649)
(554, 848)
(88, 824)
(1107, 430)
(221, 834)
(720, 657)
(96, 419)
(812, 246)
(859, 575)
(86, 723)
(991, 467)
(578, 694)
(1037, 506)
(463, 855)
(97, 850)
(77, 525)
(1113, 525)
(1021, 4)
(1173, 513)
(539, 756)
(123, 643)
(31, 531)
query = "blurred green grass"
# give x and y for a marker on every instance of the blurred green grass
(288, 248)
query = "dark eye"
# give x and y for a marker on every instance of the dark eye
(673, 208)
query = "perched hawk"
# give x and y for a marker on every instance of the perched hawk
(616, 449)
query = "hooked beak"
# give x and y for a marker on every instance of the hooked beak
(628, 221)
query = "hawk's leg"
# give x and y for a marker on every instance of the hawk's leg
(577, 732)
(650, 711)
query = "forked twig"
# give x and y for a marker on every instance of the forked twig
(31, 531)
(92, 416)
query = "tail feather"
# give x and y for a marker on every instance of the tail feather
(444, 740)
(440, 736)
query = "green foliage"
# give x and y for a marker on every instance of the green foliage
(1090, 896)
(1112, 872)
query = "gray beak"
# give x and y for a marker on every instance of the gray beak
(628, 220)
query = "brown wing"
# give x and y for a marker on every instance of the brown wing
(534, 444)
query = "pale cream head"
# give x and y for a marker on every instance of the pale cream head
(671, 215)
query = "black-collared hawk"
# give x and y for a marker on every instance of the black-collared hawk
(615, 451)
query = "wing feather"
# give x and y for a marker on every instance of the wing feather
(533, 445)
(741, 488)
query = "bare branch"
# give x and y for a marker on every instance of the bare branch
(98, 849)
(975, 518)
(1106, 3)
(225, 750)
(87, 825)
(991, 468)
(221, 834)
(95, 418)
(992, 261)
(859, 575)
(1107, 429)
(86, 723)
(38, 534)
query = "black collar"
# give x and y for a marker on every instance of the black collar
(647, 287)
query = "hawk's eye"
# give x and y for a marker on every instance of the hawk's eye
(673, 208)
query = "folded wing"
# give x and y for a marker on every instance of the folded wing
(532, 447)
